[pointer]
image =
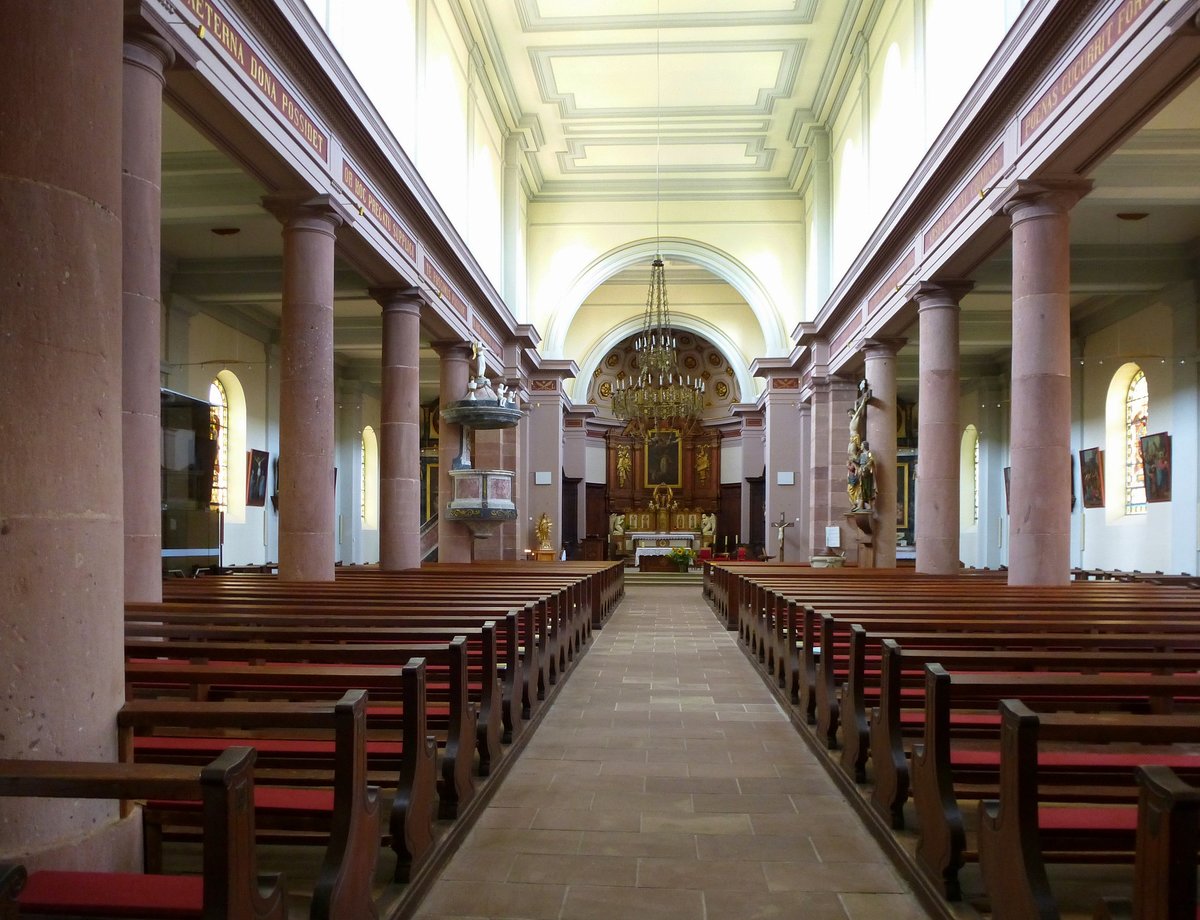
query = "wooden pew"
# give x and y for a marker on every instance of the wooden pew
(483, 690)
(230, 886)
(337, 804)
(1021, 830)
(1164, 867)
(456, 786)
(940, 773)
(409, 761)
(516, 697)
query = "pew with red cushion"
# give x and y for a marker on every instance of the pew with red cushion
(329, 803)
(230, 885)
(1164, 867)
(402, 762)
(964, 704)
(448, 661)
(1030, 824)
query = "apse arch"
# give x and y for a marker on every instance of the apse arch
(721, 264)
(681, 323)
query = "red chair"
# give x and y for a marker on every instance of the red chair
(741, 554)
(705, 553)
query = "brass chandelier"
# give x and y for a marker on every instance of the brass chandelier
(660, 396)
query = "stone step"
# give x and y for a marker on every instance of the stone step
(691, 577)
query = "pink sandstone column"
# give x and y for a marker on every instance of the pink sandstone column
(828, 502)
(938, 430)
(145, 58)
(454, 539)
(306, 398)
(61, 531)
(1039, 500)
(881, 435)
(400, 430)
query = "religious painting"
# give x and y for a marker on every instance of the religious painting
(256, 478)
(1091, 476)
(1156, 466)
(902, 495)
(663, 466)
(429, 476)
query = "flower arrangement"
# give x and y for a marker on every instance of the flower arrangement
(682, 555)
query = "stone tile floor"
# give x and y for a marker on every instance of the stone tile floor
(666, 782)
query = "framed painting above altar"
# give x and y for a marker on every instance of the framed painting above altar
(663, 458)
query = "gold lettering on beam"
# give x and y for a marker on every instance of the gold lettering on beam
(1102, 41)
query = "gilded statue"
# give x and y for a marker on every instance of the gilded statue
(624, 464)
(702, 463)
(542, 532)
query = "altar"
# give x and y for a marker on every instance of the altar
(650, 543)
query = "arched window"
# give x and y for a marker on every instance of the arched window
(1137, 406)
(968, 478)
(218, 420)
(370, 479)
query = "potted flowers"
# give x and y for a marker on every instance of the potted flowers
(682, 556)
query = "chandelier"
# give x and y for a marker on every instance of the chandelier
(660, 396)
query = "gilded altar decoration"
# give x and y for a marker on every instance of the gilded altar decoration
(624, 464)
(702, 466)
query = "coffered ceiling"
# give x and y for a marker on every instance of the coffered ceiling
(696, 98)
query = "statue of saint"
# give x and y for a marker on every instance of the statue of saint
(623, 464)
(542, 532)
(866, 475)
(616, 524)
(702, 462)
(708, 524)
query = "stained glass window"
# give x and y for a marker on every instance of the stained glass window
(1137, 403)
(975, 484)
(218, 421)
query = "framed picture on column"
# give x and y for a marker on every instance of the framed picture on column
(1156, 466)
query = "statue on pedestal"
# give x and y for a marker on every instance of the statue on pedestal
(542, 532)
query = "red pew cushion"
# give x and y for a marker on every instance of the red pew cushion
(122, 894)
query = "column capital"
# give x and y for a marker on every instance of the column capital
(938, 295)
(400, 298)
(301, 207)
(143, 47)
(451, 349)
(881, 347)
(1041, 197)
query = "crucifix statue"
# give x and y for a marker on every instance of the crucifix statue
(781, 525)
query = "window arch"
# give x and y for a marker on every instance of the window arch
(228, 400)
(218, 426)
(1126, 413)
(968, 478)
(1137, 406)
(369, 491)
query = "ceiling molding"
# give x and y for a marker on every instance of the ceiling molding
(803, 12)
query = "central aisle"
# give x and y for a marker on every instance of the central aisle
(666, 782)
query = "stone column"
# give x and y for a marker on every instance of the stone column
(400, 430)
(62, 550)
(1039, 498)
(782, 454)
(938, 431)
(881, 435)
(803, 530)
(454, 539)
(306, 399)
(545, 421)
(832, 400)
(145, 58)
